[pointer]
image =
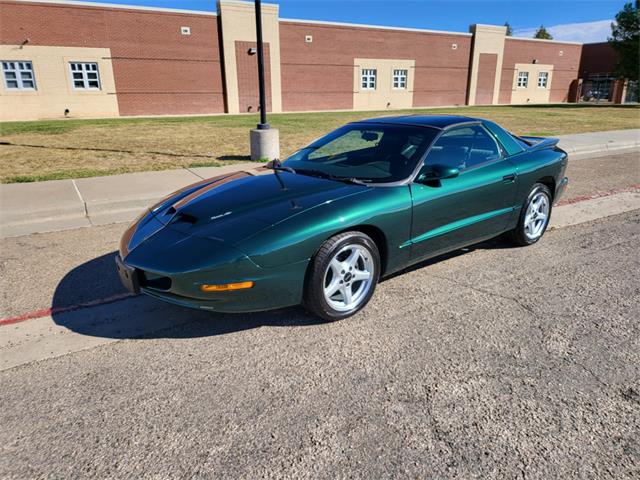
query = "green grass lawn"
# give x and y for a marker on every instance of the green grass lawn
(55, 149)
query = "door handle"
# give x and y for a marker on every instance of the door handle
(509, 178)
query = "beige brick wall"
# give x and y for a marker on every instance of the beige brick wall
(54, 89)
(384, 96)
(239, 25)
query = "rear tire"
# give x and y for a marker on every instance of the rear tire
(342, 276)
(534, 217)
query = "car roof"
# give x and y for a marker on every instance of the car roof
(435, 121)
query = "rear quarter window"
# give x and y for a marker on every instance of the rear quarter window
(510, 144)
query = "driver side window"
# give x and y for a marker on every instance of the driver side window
(464, 148)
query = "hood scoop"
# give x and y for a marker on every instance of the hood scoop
(174, 216)
(182, 217)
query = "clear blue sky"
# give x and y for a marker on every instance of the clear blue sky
(454, 15)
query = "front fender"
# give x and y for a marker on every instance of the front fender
(299, 237)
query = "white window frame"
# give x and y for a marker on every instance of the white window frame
(522, 76)
(400, 78)
(84, 72)
(368, 78)
(22, 71)
(544, 76)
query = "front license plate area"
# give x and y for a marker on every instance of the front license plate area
(128, 276)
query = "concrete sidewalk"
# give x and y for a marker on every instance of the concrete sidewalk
(63, 204)
(27, 208)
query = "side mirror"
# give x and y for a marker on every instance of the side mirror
(429, 173)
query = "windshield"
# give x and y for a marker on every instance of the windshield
(369, 153)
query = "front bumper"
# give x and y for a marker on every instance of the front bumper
(273, 287)
(171, 265)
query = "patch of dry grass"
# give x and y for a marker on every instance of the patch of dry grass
(76, 148)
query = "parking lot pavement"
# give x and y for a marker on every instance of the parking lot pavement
(494, 362)
(590, 176)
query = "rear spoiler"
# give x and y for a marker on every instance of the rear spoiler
(540, 143)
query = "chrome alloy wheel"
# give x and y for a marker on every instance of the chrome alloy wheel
(537, 216)
(348, 277)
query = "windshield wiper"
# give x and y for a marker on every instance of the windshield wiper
(277, 166)
(284, 169)
(350, 180)
(329, 176)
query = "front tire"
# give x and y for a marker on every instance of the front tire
(342, 276)
(534, 216)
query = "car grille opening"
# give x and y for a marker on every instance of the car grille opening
(155, 282)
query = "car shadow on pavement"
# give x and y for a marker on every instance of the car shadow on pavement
(90, 300)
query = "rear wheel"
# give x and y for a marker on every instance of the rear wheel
(534, 217)
(343, 276)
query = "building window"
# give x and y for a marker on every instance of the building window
(18, 75)
(400, 79)
(368, 79)
(523, 79)
(543, 79)
(85, 76)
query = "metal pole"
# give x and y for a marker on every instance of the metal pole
(263, 125)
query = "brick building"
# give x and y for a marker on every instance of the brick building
(94, 60)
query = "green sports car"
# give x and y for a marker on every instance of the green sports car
(321, 228)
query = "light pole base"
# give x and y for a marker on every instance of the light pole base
(265, 144)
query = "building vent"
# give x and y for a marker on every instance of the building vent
(561, 53)
(308, 38)
(454, 46)
(185, 30)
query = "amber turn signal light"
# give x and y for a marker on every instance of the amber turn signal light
(226, 287)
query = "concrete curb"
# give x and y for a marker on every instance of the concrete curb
(594, 209)
(600, 142)
(64, 204)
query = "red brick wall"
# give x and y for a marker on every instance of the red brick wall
(248, 87)
(486, 78)
(565, 66)
(319, 75)
(597, 58)
(157, 70)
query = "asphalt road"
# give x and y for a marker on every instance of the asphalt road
(494, 362)
(601, 174)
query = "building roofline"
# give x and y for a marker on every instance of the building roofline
(77, 3)
(81, 3)
(544, 40)
(249, 3)
(377, 27)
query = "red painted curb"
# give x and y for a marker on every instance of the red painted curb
(52, 311)
(582, 198)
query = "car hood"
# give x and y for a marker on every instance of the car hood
(236, 207)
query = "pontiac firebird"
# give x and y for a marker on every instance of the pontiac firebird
(321, 228)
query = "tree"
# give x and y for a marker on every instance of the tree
(543, 33)
(625, 38)
(509, 29)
